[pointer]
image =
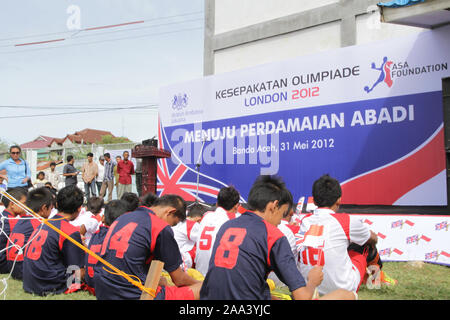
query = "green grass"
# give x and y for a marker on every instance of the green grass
(426, 282)
(16, 292)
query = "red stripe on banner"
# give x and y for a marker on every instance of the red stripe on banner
(397, 251)
(368, 221)
(425, 238)
(397, 179)
(382, 236)
(445, 254)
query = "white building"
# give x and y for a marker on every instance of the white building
(244, 33)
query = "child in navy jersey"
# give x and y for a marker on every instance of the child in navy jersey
(134, 240)
(53, 264)
(113, 210)
(248, 248)
(10, 216)
(39, 200)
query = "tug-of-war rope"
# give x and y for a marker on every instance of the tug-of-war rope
(32, 215)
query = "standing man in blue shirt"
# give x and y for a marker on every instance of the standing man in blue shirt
(17, 169)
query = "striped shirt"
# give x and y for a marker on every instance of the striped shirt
(109, 170)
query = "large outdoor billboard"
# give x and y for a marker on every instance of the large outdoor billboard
(370, 116)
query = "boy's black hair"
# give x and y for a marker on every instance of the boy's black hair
(131, 199)
(267, 189)
(149, 199)
(16, 193)
(228, 197)
(39, 197)
(69, 199)
(113, 210)
(40, 172)
(326, 191)
(90, 154)
(197, 210)
(174, 201)
(290, 203)
(95, 204)
(69, 158)
(52, 164)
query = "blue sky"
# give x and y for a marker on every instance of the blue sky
(90, 69)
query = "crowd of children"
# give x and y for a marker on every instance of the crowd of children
(234, 248)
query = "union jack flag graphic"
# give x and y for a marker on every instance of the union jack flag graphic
(385, 252)
(441, 226)
(178, 178)
(400, 223)
(412, 239)
(396, 224)
(432, 255)
(299, 238)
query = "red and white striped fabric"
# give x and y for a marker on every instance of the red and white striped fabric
(186, 235)
(323, 239)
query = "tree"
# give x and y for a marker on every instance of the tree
(109, 139)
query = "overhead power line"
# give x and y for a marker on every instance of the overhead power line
(151, 107)
(107, 40)
(100, 27)
(76, 106)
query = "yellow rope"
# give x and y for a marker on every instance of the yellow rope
(138, 283)
(150, 291)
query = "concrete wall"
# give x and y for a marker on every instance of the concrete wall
(246, 33)
(235, 14)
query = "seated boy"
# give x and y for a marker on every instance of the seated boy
(186, 234)
(343, 268)
(11, 215)
(132, 200)
(49, 256)
(247, 248)
(113, 210)
(40, 201)
(227, 209)
(134, 240)
(88, 220)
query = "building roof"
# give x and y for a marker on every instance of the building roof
(83, 136)
(87, 136)
(38, 143)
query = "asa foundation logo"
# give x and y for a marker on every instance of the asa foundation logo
(389, 71)
(384, 76)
